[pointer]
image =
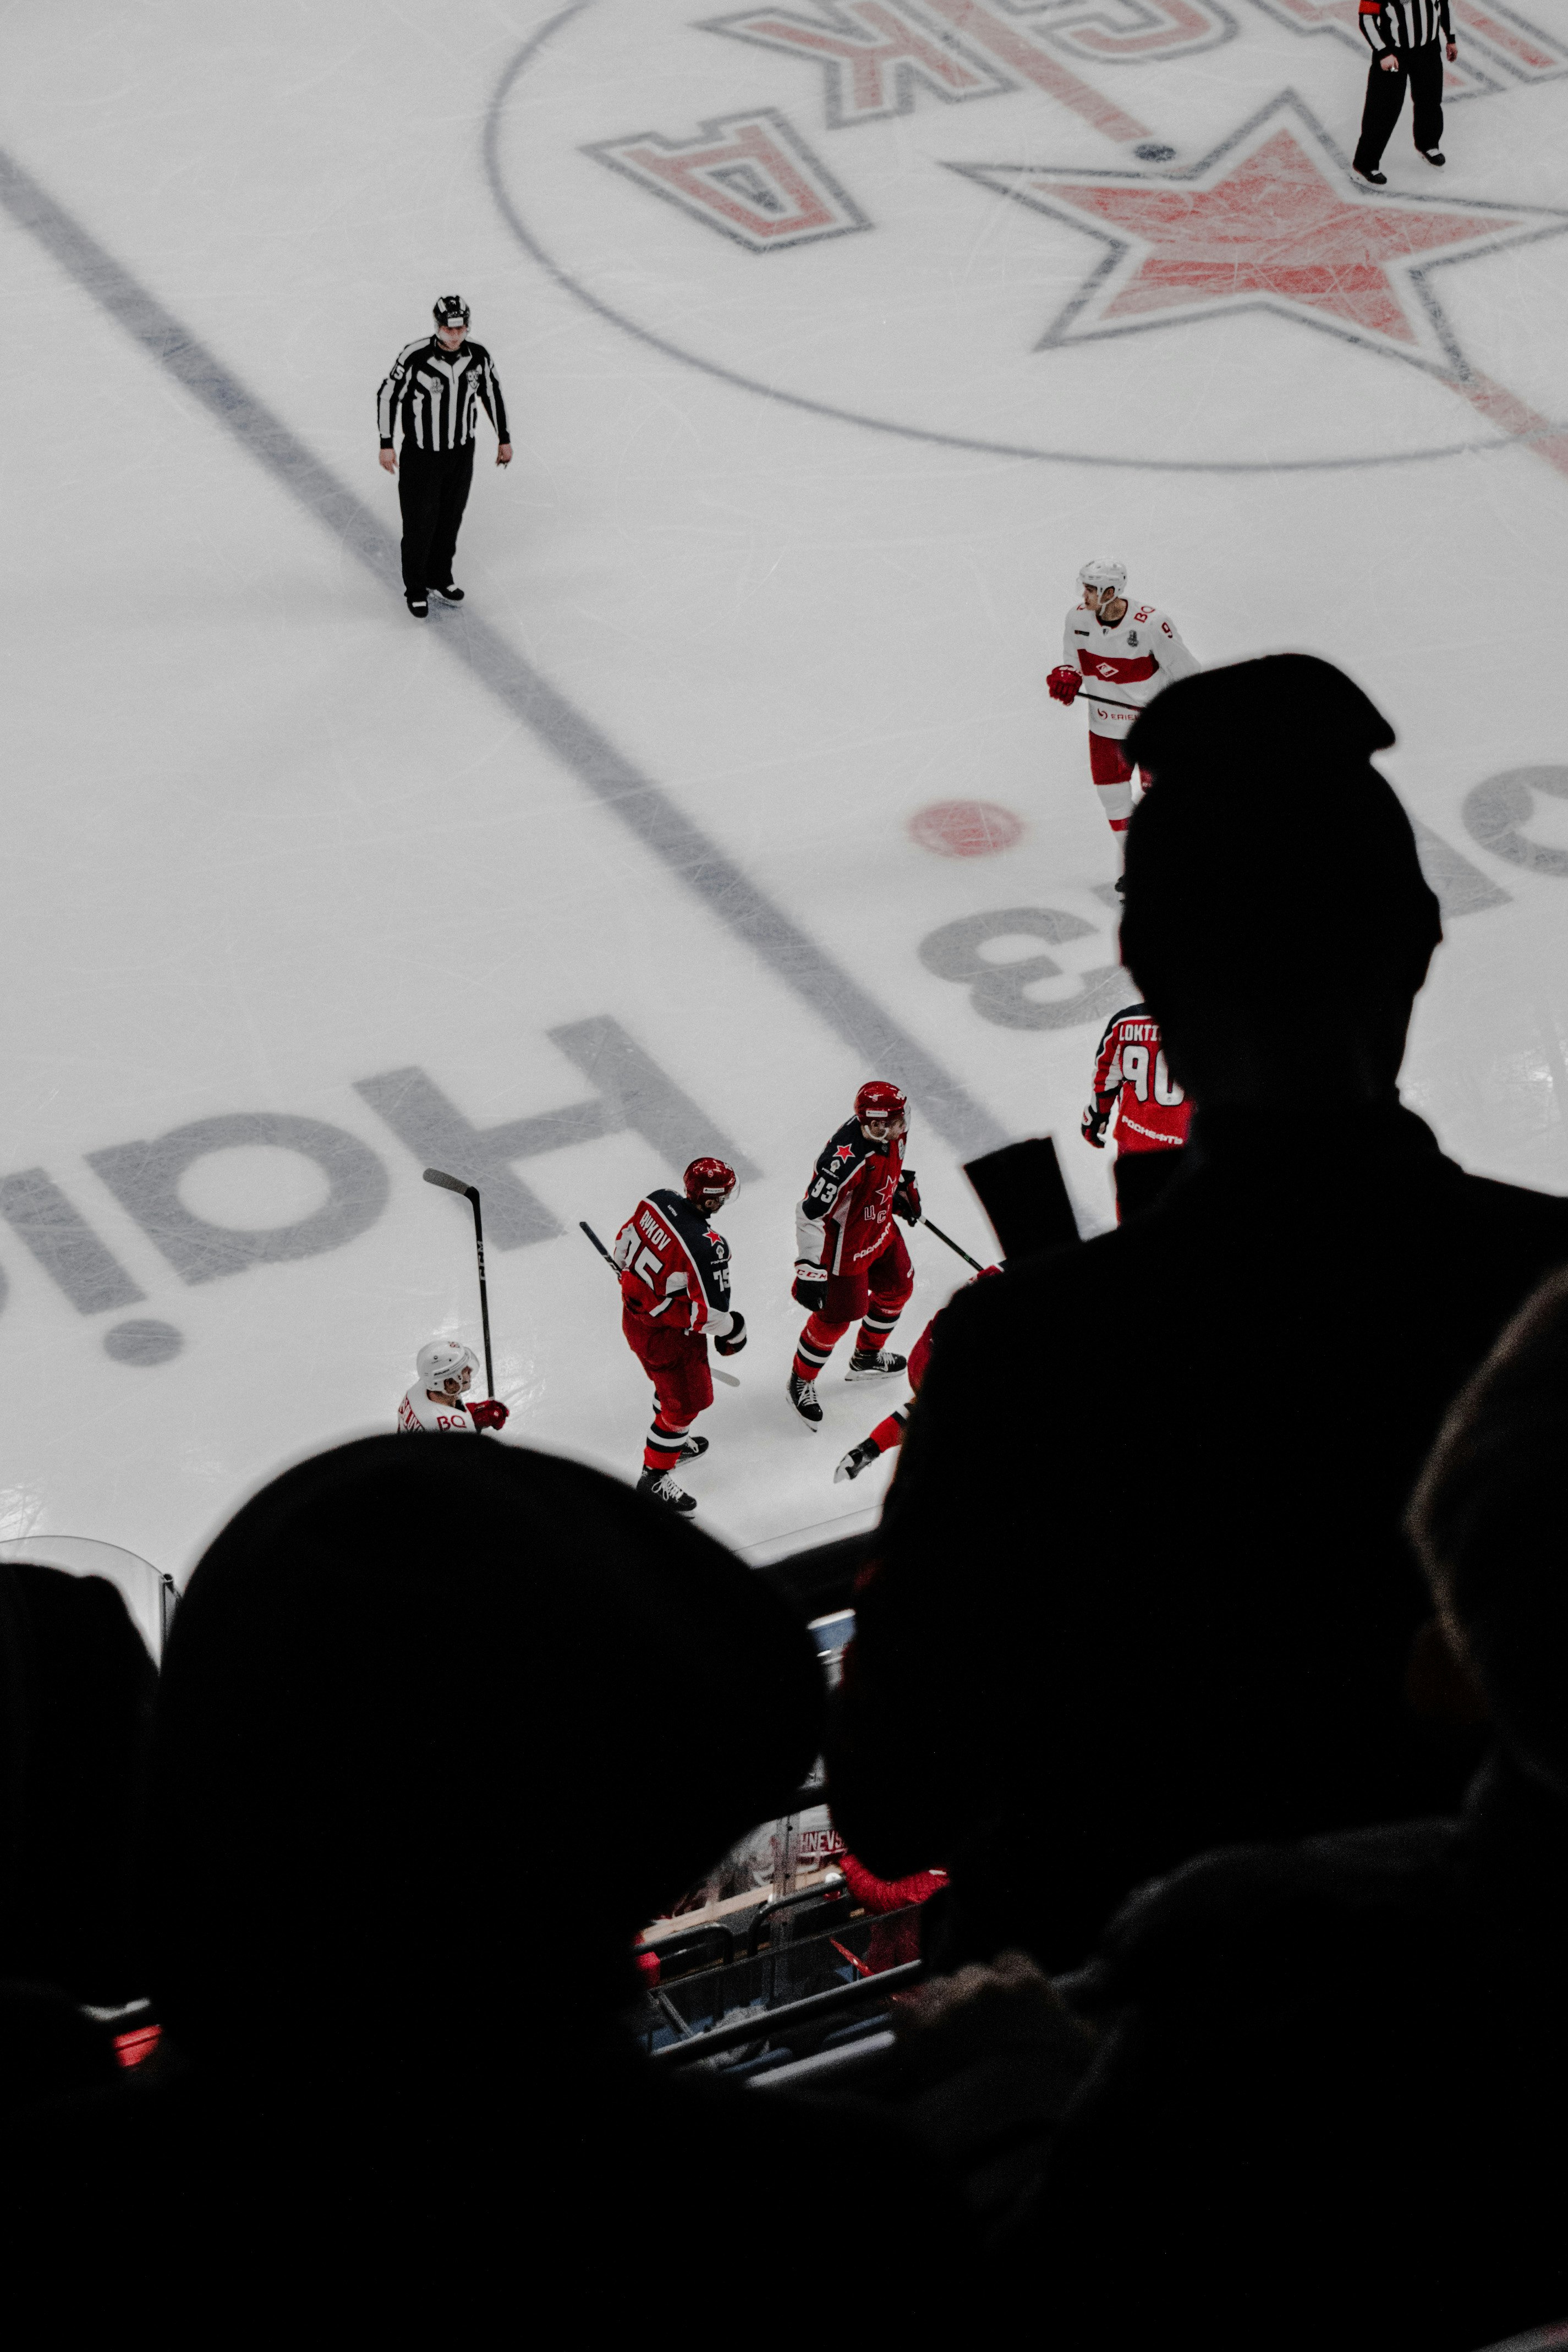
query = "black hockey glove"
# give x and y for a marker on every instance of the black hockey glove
(1095, 1123)
(734, 1340)
(810, 1286)
(907, 1199)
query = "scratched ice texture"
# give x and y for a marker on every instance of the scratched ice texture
(835, 337)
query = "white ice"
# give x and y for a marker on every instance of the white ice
(266, 838)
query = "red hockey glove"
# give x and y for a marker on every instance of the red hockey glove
(907, 1199)
(810, 1286)
(1063, 684)
(489, 1413)
(1095, 1123)
(734, 1340)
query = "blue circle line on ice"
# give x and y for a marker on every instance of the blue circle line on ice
(531, 50)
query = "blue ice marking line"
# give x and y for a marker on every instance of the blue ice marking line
(644, 807)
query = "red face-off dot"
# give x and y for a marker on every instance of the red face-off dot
(966, 828)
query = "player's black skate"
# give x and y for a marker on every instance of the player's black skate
(661, 1488)
(858, 1459)
(693, 1448)
(450, 596)
(874, 1364)
(804, 1397)
(419, 606)
(1373, 178)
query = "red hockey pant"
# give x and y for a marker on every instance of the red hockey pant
(677, 1364)
(877, 1292)
(1112, 774)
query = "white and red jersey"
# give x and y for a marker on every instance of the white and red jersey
(1153, 1114)
(844, 1220)
(1132, 661)
(420, 1410)
(675, 1269)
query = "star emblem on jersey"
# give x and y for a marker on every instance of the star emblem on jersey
(1274, 219)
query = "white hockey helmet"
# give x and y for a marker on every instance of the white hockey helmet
(440, 1361)
(1103, 572)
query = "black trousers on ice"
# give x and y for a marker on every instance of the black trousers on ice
(433, 489)
(1423, 69)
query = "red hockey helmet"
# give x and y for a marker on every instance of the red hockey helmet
(710, 1183)
(880, 1100)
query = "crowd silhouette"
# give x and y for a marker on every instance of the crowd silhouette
(1214, 1646)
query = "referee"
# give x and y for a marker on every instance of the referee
(432, 389)
(1403, 37)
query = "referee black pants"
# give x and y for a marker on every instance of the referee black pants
(1423, 69)
(432, 490)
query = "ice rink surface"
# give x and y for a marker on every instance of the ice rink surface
(835, 337)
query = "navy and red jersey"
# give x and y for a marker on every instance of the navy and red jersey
(846, 1215)
(1153, 1114)
(675, 1269)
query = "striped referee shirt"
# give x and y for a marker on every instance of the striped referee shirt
(1403, 24)
(433, 393)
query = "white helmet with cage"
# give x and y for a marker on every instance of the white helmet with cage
(1103, 572)
(440, 1361)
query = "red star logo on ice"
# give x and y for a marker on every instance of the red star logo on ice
(1272, 218)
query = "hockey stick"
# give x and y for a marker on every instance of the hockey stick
(952, 1245)
(728, 1377)
(471, 1193)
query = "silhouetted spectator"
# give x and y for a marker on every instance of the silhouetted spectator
(440, 1728)
(76, 1709)
(1333, 2076)
(1142, 1585)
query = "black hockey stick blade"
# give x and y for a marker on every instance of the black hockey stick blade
(452, 1184)
(1022, 1190)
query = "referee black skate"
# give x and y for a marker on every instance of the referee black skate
(1409, 40)
(432, 389)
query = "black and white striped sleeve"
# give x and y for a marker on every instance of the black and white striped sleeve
(394, 391)
(489, 389)
(1375, 30)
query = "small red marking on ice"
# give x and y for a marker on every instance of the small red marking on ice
(966, 828)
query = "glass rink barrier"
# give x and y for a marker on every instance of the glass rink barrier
(147, 1592)
(803, 1975)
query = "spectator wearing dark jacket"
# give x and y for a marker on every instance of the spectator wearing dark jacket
(1143, 1586)
(1333, 2076)
(440, 1728)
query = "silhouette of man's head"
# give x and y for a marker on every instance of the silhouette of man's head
(1487, 1521)
(1272, 878)
(444, 1720)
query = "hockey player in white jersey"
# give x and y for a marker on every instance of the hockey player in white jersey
(1130, 651)
(442, 1372)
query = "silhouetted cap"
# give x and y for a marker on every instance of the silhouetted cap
(1289, 707)
(1268, 855)
(441, 1714)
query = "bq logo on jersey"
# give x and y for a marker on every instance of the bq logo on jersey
(1061, 228)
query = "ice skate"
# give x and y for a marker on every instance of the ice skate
(693, 1448)
(874, 1364)
(661, 1488)
(418, 605)
(856, 1460)
(450, 596)
(802, 1396)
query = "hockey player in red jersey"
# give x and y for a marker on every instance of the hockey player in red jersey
(1130, 651)
(1133, 1083)
(849, 1257)
(674, 1297)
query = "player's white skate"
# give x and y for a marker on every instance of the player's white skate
(856, 1460)
(661, 1488)
(874, 1364)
